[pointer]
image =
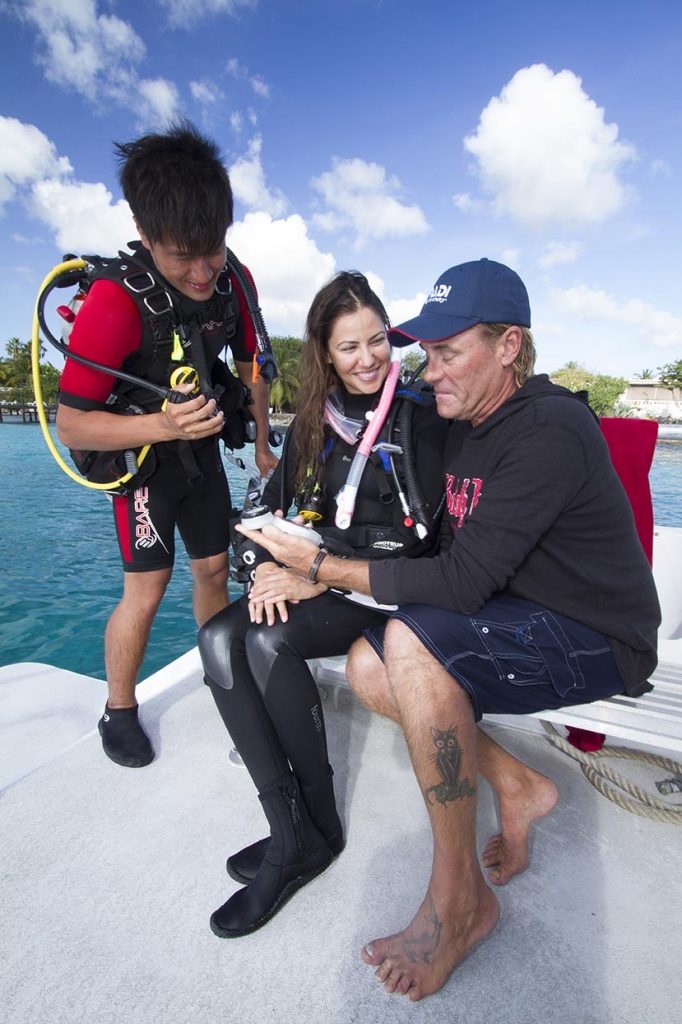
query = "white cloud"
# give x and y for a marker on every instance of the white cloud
(249, 186)
(401, 310)
(96, 55)
(546, 153)
(257, 82)
(82, 216)
(362, 197)
(657, 326)
(188, 12)
(260, 86)
(556, 253)
(26, 155)
(160, 100)
(660, 168)
(236, 122)
(466, 203)
(205, 92)
(286, 264)
(511, 257)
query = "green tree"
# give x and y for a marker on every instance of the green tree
(670, 374)
(645, 375)
(603, 391)
(284, 391)
(410, 361)
(17, 376)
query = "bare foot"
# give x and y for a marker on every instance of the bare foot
(507, 853)
(419, 960)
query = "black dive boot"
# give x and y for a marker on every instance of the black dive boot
(321, 804)
(296, 854)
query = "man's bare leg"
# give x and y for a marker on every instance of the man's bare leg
(459, 909)
(127, 633)
(210, 586)
(368, 679)
(523, 796)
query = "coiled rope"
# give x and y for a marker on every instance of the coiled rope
(599, 774)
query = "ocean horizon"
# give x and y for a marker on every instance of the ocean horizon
(62, 572)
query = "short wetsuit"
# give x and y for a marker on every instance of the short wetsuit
(109, 329)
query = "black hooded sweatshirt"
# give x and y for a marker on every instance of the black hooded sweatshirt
(535, 510)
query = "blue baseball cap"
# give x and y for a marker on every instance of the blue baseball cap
(481, 292)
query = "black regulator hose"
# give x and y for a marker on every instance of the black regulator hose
(414, 495)
(266, 357)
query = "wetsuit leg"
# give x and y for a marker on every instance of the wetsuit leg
(324, 626)
(238, 699)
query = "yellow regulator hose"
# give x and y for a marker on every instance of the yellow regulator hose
(64, 268)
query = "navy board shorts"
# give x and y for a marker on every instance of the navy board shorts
(513, 657)
(146, 519)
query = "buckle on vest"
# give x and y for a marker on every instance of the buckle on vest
(143, 282)
(223, 277)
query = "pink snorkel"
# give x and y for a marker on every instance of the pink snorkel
(345, 499)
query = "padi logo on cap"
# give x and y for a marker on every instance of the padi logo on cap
(439, 293)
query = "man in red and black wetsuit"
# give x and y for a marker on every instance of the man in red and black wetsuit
(180, 196)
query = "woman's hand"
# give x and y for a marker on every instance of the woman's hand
(273, 587)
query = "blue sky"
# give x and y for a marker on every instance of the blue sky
(392, 136)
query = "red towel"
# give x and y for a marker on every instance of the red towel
(631, 447)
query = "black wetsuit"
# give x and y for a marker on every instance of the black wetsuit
(258, 675)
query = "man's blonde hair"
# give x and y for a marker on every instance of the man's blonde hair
(524, 364)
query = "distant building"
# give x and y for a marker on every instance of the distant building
(649, 399)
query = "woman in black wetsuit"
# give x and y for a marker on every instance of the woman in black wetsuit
(254, 655)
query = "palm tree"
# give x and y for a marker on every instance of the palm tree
(284, 390)
(645, 375)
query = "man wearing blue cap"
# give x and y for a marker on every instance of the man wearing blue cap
(540, 596)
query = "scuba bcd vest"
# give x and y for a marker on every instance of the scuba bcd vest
(177, 333)
(384, 524)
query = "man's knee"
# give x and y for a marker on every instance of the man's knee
(210, 572)
(361, 661)
(366, 675)
(404, 649)
(143, 592)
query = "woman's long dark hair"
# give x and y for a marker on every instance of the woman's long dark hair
(347, 292)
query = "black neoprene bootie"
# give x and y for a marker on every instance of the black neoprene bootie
(243, 866)
(123, 738)
(321, 804)
(296, 854)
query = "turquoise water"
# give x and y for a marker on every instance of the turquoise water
(61, 568)
(61, 574)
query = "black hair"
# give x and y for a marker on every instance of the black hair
(177, 188)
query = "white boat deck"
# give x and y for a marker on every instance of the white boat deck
(109, 876)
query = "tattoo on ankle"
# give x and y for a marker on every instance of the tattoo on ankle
(422, 947)
(448, 758)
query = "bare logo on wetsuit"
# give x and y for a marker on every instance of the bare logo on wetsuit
(146, 535)
(462, 497)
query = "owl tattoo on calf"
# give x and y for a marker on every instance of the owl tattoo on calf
(448, 761)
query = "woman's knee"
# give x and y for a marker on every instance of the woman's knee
(263, 645)
(220, 639)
